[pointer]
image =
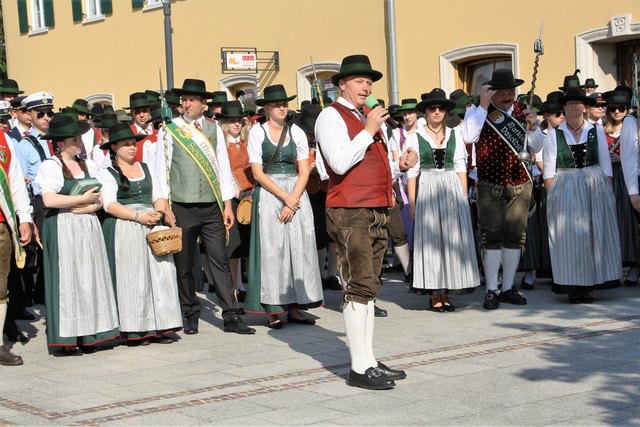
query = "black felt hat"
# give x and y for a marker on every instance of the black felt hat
(138, 100)
(436, 97)
(576, 94)
(120, 132)
(502, 78)
(63, 126)
(275, 93)
(10, 86)
(306, 118)
(193, 87)
(231, 110)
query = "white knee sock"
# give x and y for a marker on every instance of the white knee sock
(355, 323)
(3, 316)
(322, 262)
(402, 252)
(528, 277)
(491, 263)
(370, 322)
(510, 261)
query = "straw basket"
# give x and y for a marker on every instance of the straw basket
(164, 242)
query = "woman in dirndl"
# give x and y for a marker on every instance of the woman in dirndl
(583, 229)
(146, 285)
(618, 103)
(231, 119)
(80, 302)
(283, 273)
(444, 254)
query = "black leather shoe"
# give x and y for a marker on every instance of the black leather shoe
(304, 321)
(526, 286)
(162, 340)
(512, 297)
(332, 283)
(372, 379)
(191, 325)
(23, 314)
(392, 374)
(379, 312)
(9, 359)
(236, 324)
(491, 301)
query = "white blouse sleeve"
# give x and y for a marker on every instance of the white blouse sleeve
(629, 154)
(412, 141)
(604, 158)
(254, 146)
(549, 154)
(109, 188)
(49, 177)
(302, 144)
(460, 153)
(92, 168)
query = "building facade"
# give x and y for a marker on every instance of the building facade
(103, 50)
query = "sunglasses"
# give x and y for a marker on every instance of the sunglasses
(41, 114)
(433, 108)
(619, 108)
(556, 113)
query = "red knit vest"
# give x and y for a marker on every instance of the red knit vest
(153, 138)
(5, 161)
(368, 183)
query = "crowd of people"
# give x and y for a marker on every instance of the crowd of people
(467, 190)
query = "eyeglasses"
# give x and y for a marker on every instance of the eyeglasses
(618, 108)
(433, 108)
(41, 114)
(556, 113)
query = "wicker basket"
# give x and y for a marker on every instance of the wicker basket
(164, 242)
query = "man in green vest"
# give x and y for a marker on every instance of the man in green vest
(194, 173)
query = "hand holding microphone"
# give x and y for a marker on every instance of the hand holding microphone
(379, 114)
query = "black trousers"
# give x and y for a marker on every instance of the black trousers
(203, 220)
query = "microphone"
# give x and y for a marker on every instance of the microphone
(371, 102)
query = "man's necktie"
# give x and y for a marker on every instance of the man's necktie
(197, 125)
(51, 149)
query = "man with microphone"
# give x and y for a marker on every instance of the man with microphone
(354, 152)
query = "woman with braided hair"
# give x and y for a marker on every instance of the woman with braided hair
(145, 284)
(81, 306)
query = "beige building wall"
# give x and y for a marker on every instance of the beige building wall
(123, 52)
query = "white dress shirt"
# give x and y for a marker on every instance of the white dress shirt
(629, 154)
(19, 194)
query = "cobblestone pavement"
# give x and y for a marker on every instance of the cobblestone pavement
(546, 363)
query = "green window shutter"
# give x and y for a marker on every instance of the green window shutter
(47, 5)
(76, 8)
(137, 4)
(106, 7)
(23, 17)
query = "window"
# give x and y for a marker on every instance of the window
(627, 52)
(93, 10)
(305, 78)
(152, 4)
(87, 11)
(473, 74)
(36, 16)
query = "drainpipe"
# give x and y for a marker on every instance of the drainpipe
(168, 42)
(393, 63)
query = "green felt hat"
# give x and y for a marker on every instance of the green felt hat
(138, 100)
(218, 98)
(171, 97)
(408, 104)
(306, 118)
(275, 93)
(231, 110)
(120, 132)
(193, 87)
(460, 97)
(108, 120)
(62, 126)
(354, 65)
(81, 106)
(10, 86)
(590, 82)
(394, 112)
(69, 111)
